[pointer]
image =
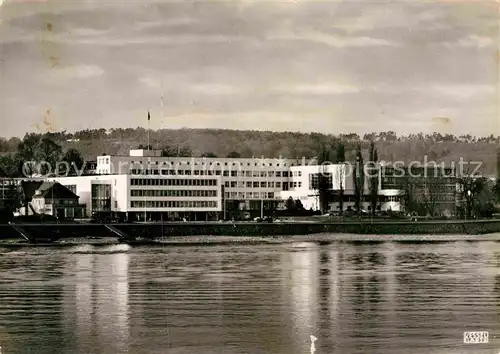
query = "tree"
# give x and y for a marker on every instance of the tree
(171, 151)
(409, 201)
(290, 204)
(359, 180)
(484, 197)
(373, 176)
(10, 165)
(208, 154)
(50, 152)
(497, 190)
(466, 191)
(324, 180)
(27, 148)
(298, 205)
(74, 160)
(38, 153)
(477, 195)
(429, 196)
(497, 184)
(234, 155)
(341, 160)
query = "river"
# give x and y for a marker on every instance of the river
(354, 297)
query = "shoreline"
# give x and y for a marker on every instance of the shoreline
(254, 240)
(185, 232)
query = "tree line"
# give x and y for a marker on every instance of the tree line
(55, 147)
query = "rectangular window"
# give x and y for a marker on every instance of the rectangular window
(314, 180)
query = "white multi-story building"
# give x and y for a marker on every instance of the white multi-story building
(148, 197)
(246, 183)
(147, 185)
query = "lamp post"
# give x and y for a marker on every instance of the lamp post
(469, 203)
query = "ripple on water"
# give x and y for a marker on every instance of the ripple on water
(389, 297)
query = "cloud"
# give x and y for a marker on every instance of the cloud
(318, 89)
(200, 88)
(215, 89)
(462, 91)
(337, 41)
(79, 72)
(268, 65)
(150, 82)
(471, 41)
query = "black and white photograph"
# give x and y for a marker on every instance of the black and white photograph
(249, 177)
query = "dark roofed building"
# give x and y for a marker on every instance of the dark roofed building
(52, 198)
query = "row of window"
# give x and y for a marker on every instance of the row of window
(437, 171)
(266, 174)
(172, 182)
(261, 184)
(172, 204)
(172, 193)
(248, 195)
(208, 163)
(103, 160)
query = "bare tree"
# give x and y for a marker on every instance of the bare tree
(359, 179)
(324, 180)
(341, 160)
(373, 178)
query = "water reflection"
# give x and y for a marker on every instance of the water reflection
(301, 271)
(355, 298)
(110, 304)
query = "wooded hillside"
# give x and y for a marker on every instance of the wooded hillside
(221, 143)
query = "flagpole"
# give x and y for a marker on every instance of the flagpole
(149, 121)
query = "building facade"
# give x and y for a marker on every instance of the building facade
(51, 198)
(149, 197)
(148, 186)
(425, 190)
(247, 185)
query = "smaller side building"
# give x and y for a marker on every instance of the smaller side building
(51, 198)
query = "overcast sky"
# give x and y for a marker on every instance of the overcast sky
(332, 67)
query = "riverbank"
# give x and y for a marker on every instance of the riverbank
(46, 233)
(301, 240)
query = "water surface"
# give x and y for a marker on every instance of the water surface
(390, 298)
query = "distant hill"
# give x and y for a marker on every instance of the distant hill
(437, 147)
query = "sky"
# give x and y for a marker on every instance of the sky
(289, 65)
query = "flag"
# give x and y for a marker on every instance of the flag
(149, 117)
